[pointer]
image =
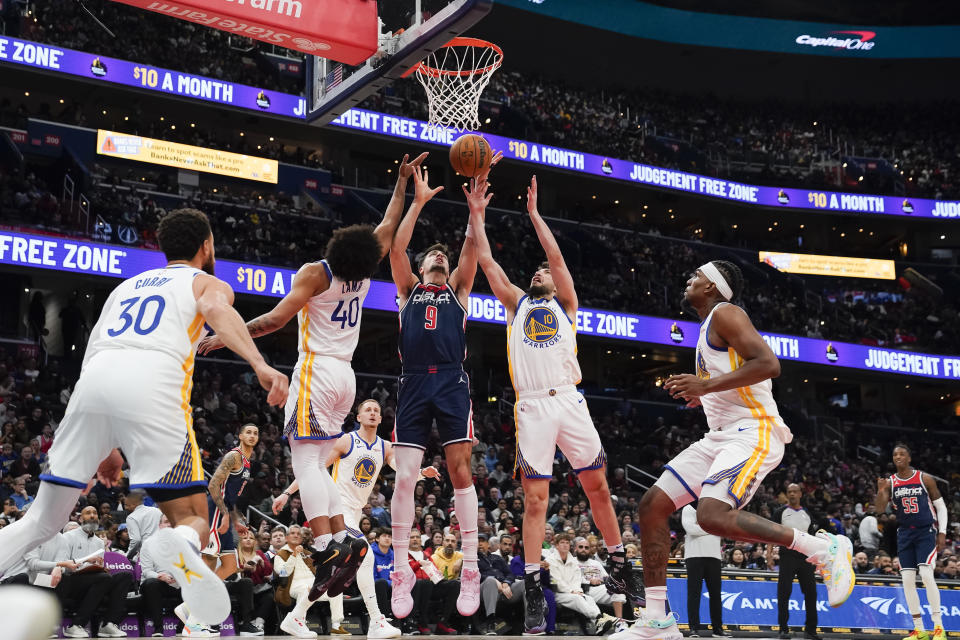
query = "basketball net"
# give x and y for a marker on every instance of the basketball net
(454, 76)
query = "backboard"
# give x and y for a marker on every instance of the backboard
(409, 31)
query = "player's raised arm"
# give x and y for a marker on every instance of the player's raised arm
(215, 304)
(391, 217)
(507, 293)
(883, 495)
(566, 292)
(309, 281)
(403, 275)
(733, 329)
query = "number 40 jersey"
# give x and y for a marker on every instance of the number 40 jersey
(330, 321)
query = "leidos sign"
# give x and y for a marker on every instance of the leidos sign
(862, 41)
(343, 30)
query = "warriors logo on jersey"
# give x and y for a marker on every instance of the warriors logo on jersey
(540, 326)
(363, 472)
(702, 372)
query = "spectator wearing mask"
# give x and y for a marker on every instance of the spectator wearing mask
(90, 584)
(701, 555)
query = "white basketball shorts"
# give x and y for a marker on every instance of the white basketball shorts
(138, 401)
(322, 393)
(555, 418)
(727, 464)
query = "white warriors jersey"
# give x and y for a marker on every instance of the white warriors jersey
(156, 311)
(355, 472)
(330, 322)
(741, 405)
(542, 346)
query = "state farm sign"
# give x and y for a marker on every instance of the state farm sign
(342, 30)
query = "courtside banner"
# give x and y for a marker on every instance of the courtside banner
(185, 156)
(754, 603)
(343, 30)
(142, 76)
(582, 162)
(78, 256)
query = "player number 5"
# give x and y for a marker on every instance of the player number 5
(431, 322)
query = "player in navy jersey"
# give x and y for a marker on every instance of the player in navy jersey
(225, 487)
(433, 387)
(921, 534)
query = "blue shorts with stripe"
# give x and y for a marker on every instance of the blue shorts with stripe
(916, 546)
(219, 542)
(442, 396)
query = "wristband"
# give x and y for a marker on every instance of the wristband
(469, 233)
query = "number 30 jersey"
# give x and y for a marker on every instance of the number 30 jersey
(330, 322)
(155, 311)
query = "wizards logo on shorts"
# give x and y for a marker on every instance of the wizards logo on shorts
(541, 327)
(363, 472)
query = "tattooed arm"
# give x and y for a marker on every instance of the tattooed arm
(310, 280)
(231, 462)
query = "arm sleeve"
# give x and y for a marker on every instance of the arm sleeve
(941, 508)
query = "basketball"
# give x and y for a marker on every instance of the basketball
(470, 155)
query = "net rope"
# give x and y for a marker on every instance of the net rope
(453, 77)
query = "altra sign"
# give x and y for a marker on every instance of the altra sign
(343, 30)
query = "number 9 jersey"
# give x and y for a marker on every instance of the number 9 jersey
(323, 385)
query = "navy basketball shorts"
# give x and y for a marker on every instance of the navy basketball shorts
(916, 546)
(442, 396)
(218, 542)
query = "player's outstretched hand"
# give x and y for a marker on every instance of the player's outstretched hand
(209, 344)
(279, 503)
(406, 168)
(532, 196)
(477, 196)
(685, 386)
(275, 383)
(497, 157)
(422, 193)
(430, 472)
(110, 471)
(883, 484)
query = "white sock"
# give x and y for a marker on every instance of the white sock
(322, 541)
(807, 544)
(365, 583)
(656, 603)
(613, 548)
(190, 534)
(909, 578)
(531, 567)
(301, 607)
(401, 546)
(933, 594)
(340, 536)
(467, 513)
